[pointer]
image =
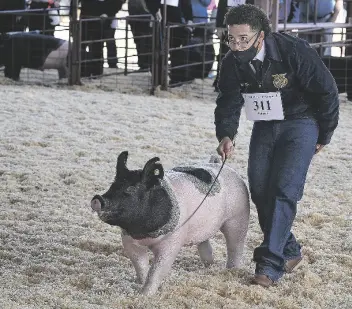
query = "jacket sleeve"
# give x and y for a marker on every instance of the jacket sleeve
(79, 2)
(205, 3)
(295, 12)
(229, 101)
(186, 9)
(153, 6)
(119, 5)
(319, 84)
(112, 7)
(220, 15)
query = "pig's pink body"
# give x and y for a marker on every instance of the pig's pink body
(227, 211)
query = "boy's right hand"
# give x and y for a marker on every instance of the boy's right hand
(225, 148)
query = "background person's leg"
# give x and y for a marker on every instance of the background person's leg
(134, 29)
(145, 59)
(96, 33)
(109, 34)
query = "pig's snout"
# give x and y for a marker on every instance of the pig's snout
(97, 203)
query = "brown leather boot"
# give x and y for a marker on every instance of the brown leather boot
(290, 265)
(262, 280)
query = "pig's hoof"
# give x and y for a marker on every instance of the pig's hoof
(148, 291)
(140, 280)
(208, 263)
(233, 264)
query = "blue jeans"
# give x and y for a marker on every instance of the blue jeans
(279, 157)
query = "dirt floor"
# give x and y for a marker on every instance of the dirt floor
(58, 148)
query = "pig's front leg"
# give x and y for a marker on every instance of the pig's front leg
(138, 256)
(164, 257)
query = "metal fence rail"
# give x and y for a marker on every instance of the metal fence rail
(193, 55)
(88, 56)
(24, 17)
(192, 58)
(21, 21)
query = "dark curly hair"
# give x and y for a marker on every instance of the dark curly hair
(248, 14)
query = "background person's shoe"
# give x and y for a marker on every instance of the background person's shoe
(290, 265)
(262, 280)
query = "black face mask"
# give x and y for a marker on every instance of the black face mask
(247, 55)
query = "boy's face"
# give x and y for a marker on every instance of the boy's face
(242, 37)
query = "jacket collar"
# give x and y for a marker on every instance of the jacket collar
(271, 49)
(261, 54)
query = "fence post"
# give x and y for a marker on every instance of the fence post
(348, 52)
(348, 49)
(74, 46)
(155, 55)
(275, 15)
(165, 48)
(205, 42)
(165, 59)
(126, 46)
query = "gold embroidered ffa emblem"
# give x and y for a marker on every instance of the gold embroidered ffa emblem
(280, 80)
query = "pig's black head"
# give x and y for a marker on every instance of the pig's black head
(136, 201)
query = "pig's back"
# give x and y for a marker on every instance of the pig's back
(228, 198)
(227, 183)
(32, 49)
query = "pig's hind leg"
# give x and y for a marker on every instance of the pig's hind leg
(138, 256)
(206, 252)
(63, 72)
(235, 232)
(12, 71)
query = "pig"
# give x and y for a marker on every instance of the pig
(32, 50)
(157, 210)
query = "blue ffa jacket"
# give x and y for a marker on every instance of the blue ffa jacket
(310, 92)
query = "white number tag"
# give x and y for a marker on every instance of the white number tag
(170, 2)
(235, 2)
(263, 106)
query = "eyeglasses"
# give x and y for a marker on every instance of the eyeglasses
(242, 43)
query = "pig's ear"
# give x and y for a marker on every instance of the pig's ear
(152, 171)
(121, 167)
